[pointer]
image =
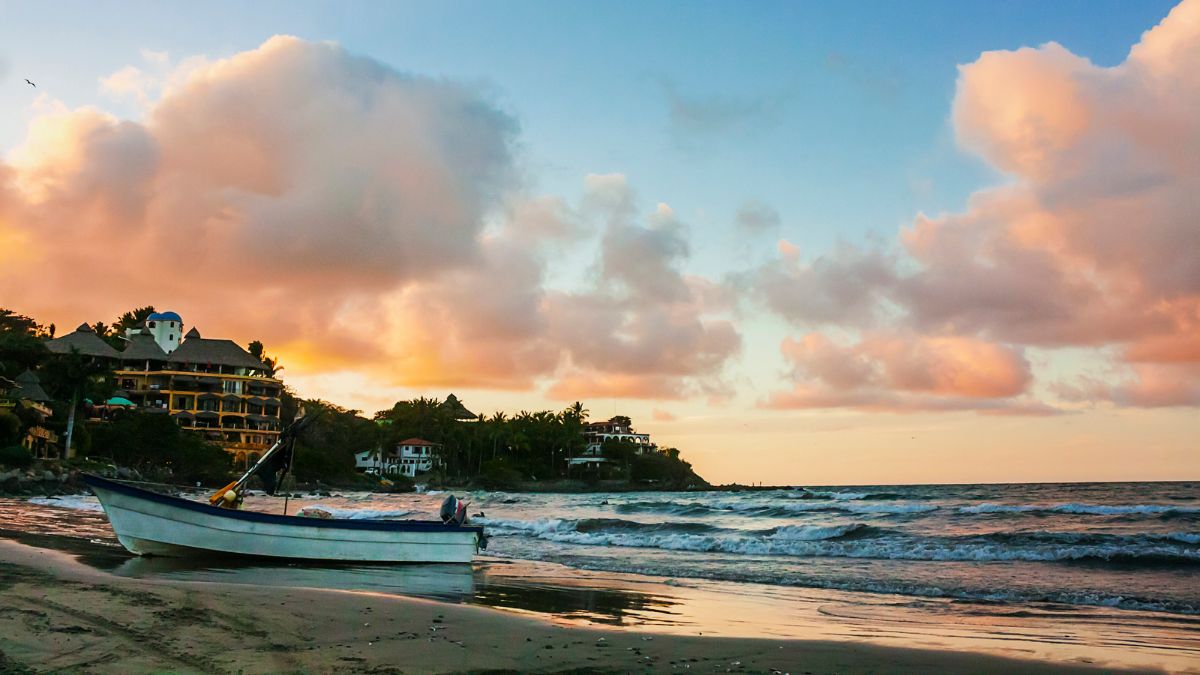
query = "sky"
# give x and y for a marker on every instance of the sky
(806, 243)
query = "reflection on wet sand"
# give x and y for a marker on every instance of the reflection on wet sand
(452, 582)
(686, 606)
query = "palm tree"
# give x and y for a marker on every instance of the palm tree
(73, 373)
(573, 419)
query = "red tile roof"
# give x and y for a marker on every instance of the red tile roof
(417, 441)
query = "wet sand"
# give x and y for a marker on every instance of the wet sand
(59, 615)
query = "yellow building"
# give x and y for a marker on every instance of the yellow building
(211, 386)
(26, 392)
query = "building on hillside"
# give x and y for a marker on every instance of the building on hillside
(84, 341)
(619, 428)
(210, 386)
(25, 394)
(416, 456)
(409, 458)
(370, 461)
(457, 410)
(165, 327)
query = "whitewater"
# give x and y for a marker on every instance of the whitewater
(1122, 545)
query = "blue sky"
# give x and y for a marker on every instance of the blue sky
(836, 115)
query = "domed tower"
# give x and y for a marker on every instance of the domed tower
(167, 329)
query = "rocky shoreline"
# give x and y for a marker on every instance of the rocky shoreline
(41, 483)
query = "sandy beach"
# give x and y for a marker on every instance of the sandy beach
(59, 615)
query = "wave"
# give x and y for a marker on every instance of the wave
(775, 509)
(818, 494)
(76, 503)
(546, 526)
(804, 493)
(998, 600)
(858, 540)
(1083, 509)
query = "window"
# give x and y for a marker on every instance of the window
(151, 324)
(171, 336)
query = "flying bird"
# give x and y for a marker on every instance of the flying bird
(30, 83)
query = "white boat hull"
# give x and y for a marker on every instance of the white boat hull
(148, 523)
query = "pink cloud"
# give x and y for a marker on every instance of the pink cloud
(886, 372)
(1091, 243)
(355, 218)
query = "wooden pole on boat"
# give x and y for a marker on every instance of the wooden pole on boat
(287, 438)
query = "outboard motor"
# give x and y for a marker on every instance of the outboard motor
(454, 511)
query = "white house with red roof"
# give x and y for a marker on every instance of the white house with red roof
(410, 457)
(416, 455)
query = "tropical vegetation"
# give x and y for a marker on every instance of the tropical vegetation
(501, 450)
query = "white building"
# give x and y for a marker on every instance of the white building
(416, 456)
(369, 461)
(166, 327)
(409, 458)
(619, 428)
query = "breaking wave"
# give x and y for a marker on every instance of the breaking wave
(777, 509)
(859, 540)
(804, 493)
(1084, 509)
(78, 503)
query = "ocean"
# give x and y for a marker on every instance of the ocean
(1126, 546)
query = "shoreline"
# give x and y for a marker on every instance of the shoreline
(59, 614)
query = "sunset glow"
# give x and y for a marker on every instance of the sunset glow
(719, 246)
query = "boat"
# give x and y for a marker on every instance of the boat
(152, 524)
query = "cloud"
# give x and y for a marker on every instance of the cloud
(754, 217)
(641, 329)
(1091, 243)
(692, 118)
(644, 329)
(904, 373)
(843, 287)
(358, 220)
(283, 193)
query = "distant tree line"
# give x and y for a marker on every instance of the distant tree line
(500, 450)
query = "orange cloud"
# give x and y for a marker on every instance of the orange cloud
(354, 218)
(1092, 243)
(884, 372)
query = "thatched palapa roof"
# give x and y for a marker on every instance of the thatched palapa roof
(85, 341)
(456, 409)
(143, 347)
(29, 388)
(196, 349)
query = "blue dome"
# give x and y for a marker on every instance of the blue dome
(164, 316)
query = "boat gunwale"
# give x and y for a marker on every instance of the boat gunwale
(94, 481)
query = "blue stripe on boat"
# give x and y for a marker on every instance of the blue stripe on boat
(255, 516)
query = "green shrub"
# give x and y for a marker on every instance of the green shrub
(665, 469)
(81, 440)
(10, 429)
(313, 464)
(401, 483)
(15, 457)
(498, 475)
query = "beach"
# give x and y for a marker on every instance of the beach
(632, 583)
(59, 615)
